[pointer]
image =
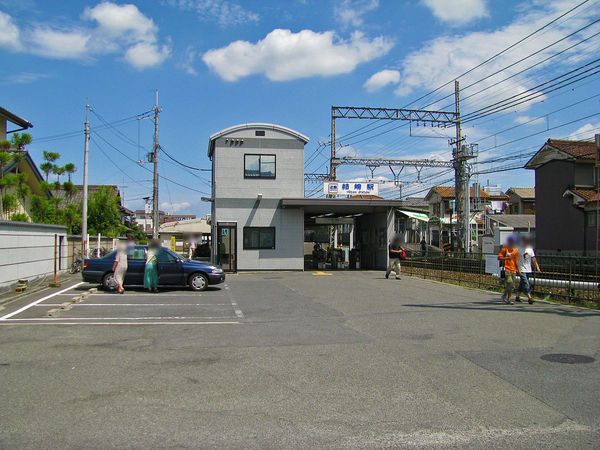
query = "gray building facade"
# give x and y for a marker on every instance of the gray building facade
(254, 166)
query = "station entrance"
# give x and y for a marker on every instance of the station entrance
(346, 233)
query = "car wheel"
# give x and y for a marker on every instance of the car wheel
(198, 282)
(108, 282)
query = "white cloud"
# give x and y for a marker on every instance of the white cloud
(24, 77)
(442, 59)
(351, 12)
(146, 54)
(121, 29)
(587, 131)
(457, 12)
(381, 79)
(124, 22)
(9, 33)
(223, 12)
(58, 44)
(175, 207)
(188, 62)
(522, 120)
(283, 55)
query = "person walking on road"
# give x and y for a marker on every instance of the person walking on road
(423, 247)
(396, 253)
(193, 245)
(120, 266)
(509, 255)
(151, 268)
(526, 257)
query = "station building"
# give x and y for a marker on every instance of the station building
(260, 215)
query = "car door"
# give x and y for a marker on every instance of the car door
(136, 262)
(170, 268)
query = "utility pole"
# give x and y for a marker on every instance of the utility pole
(461, 179)
(84, 243)
(155, 215)
(332, 167)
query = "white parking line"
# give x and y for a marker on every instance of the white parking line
(10, 323)
(44, 305)
(237, 310)
(52, 319)
(20, 310)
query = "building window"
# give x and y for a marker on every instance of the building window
(590, 219)
(259, 133)
(259, 166)
(259, 238)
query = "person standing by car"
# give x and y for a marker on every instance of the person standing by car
(120, 266)
(151, 267)
(396, 253)
(526, 256)
(509, 255)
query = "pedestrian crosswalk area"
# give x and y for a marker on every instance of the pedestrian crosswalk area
(83, 304)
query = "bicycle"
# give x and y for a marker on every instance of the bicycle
(76, 265)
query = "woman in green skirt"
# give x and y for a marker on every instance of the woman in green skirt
(151, 269)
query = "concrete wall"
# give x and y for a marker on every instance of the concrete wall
(236, 197)
(27, 251)
(289, 233)
(559, 224)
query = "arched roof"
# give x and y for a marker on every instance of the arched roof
(248, 126)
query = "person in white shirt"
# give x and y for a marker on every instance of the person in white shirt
(526, 257)
(192, 248)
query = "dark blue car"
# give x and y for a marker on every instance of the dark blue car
(173, 270)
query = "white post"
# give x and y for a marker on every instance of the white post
(98, 247)
(335, 236)
(352, 236)
(87, 244)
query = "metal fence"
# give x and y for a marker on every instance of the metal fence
(568, 279)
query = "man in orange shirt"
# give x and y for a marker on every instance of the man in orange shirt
(510, 257)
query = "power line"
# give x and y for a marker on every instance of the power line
(145, 168)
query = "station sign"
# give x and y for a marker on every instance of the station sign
(350, 188)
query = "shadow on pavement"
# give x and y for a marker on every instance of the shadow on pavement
(523, 307)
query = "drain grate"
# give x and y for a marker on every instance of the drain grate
(567, 358)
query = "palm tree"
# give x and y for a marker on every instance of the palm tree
(51, 156)
(70, 169)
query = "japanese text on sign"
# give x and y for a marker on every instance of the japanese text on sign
(350, 188)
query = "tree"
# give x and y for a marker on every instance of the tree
(69, 189)
(9, 203)
(46, 168)
(58, 171)
(103, 213)
(19, 217)
(19, 141)
(70, 169)
(6, 182)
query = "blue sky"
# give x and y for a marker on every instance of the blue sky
(218, 63)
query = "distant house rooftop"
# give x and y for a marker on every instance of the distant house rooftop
(447, 192)
(557, 149)
(525, 193)
(516, 221)
(13, 118)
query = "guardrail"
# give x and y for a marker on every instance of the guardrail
(568, 279)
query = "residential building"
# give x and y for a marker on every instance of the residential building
(566, 184)
(7, 117)
(503, 225)
(33, 179)
(144, 218)
(521, 200)
(443, 219)
(181, 231)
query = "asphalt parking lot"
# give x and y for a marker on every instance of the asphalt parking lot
(268, 360)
